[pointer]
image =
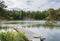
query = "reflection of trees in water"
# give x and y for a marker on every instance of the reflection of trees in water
(51, 24)
(47, 24)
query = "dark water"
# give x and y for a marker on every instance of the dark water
(51, 33)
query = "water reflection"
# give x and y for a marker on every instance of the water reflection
(49, 30)
(49, 34)
(54, 35)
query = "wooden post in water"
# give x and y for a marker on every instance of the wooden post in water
(42, 39)
(38, 39)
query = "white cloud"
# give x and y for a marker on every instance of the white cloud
(32, 4)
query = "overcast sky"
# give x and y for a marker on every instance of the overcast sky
(33, 5)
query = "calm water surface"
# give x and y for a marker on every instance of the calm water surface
(51, 33)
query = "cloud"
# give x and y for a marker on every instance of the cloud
(32, 5)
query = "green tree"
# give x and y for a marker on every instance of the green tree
(52, 14)
(2, 9)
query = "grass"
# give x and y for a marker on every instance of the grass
(12, 36)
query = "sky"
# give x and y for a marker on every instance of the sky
(32, 5)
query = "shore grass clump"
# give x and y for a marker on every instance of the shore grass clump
(12, 36)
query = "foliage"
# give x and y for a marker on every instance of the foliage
(50, 14)
(53, 14)
(2, 10)
(12, 36)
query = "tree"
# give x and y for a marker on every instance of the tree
(2, 5)
(52, 14)
(2, 10)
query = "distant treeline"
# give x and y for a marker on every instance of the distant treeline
(50, 14)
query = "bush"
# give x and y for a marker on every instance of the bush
(12, 36)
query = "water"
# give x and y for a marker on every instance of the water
(51, 33)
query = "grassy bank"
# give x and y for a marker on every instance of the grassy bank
(12, 36)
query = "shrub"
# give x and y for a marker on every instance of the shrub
(12, 36)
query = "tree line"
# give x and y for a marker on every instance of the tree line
(50, 14)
